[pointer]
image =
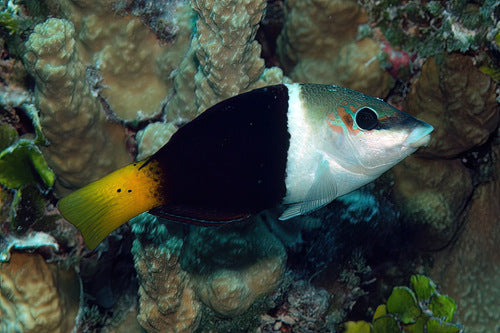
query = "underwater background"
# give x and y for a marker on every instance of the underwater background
(89, 86)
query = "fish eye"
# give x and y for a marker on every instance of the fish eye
(366, 118)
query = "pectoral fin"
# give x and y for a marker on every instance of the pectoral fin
(322, 192)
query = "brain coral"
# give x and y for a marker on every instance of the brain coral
(37, 297)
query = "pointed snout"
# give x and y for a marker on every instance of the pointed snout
(420, 136)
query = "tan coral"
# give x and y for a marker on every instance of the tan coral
(37, 297)
(318, 44)
(232, 292)
(224, 59)
(134, 65)
(229, 56)
(434, 194)
(83, 146)
(129, 70)
(167, 302)
(458, 100)
(153, 137)
(469, 270)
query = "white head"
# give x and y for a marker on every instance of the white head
(362, 134)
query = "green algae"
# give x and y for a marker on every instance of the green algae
(24, 171)
(21, 161)
(418, 309)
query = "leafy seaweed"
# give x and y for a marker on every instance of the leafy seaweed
(416, 310)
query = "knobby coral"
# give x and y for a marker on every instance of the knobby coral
(167, 300)
(91, 66)
(452, 186)
(224, 58)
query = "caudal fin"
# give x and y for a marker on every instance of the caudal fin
(102, 206)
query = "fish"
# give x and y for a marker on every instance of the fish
(298, 145)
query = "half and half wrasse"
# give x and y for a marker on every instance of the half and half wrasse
(300, 145)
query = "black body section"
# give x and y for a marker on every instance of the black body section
(230, 160)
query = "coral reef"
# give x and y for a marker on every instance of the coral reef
(232, 292)
(431, 27)
(304, 310)
(232, 268)
(319, 44)
(458, 100)
(448, 190)
(153, 137)
(227, 269)
(91, 66)
(167, 299)
(113, 78)
(127, 55)
(469, 269)
(36, 296)
(227, 55)
(433, 193)
(70, 114)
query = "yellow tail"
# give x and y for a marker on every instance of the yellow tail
(102, 206)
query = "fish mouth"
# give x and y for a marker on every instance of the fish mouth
(419, 137)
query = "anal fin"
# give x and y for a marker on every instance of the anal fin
(198, 216)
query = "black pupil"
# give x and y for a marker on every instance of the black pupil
(366, 119)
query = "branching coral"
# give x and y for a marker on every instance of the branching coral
(318, 44)
(229, 56)
(36, 296)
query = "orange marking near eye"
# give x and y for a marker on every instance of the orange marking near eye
(348, 120)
